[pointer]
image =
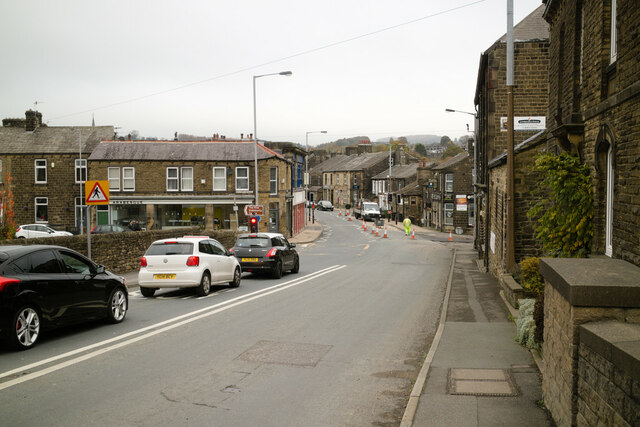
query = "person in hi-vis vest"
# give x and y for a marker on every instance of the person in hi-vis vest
(407, 226)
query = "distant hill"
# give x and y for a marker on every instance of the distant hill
(415, 139)
(344, 142)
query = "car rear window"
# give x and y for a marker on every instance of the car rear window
(253, 242)
(170, 248)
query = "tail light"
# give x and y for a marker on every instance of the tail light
(272, 252)
(193, 261)
(231, 250)
(6, 281)
(19, 228)
(94, 227)
(143, 262)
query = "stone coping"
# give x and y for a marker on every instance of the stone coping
(594, 282)
(617, 342)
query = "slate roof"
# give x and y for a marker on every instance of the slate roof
(52, 139)
(532, 27)
(399, 171)
(452, 161)
(329, 164)
(359, 162)
(180, 151)
(413, 189)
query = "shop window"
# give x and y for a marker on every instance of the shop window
(273, 181)
(448, 214)
(113, 175)
(219, 179)
(172, 179)
(242, 179)
(42, 209)
(41, 171)
(81, 170)
(129, 179)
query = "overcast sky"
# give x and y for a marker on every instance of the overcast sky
(366, 67)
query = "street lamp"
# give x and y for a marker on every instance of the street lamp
(255, 131)
(306, 164)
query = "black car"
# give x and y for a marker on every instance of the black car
(43, 287)
(266, 253)
(109, 228)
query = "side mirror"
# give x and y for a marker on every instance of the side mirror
(100, 269)
(293, 245)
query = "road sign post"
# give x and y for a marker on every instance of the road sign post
(96, 193)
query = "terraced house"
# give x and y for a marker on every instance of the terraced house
(173, 184)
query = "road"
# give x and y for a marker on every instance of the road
(339, 343)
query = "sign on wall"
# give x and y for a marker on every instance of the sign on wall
(525, 123)
(461, 202)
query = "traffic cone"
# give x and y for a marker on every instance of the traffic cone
(385, 233)
(450, 236)
(413, 234)
(373, 230)
(377, 233)
(348, 217)
(339, 213)
(364, 225)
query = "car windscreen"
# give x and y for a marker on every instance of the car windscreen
(170, 248)
(370, 207)
(252, 242)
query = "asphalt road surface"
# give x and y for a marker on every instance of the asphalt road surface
(339, 343)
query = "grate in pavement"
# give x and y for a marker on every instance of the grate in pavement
(481, 382)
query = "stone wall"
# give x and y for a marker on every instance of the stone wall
(609, 374)
(579, 291)
(121, 252)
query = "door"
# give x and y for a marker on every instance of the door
(103, 215)
(90, 289)
(226, 262)
(273, 218)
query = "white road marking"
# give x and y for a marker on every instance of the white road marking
(197, 315)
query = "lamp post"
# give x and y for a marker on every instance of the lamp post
(255, 130)
(306, 167)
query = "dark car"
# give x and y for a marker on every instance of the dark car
(266, 253)
(109, 228)
(43, 287)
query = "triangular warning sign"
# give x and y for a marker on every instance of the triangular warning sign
(97, 194)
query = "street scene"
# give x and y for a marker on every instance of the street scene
(331, 214)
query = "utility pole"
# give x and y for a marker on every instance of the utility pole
(511, 260)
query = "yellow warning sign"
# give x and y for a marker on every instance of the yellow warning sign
(96, 192)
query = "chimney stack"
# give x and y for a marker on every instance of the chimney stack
(242, 136)
(33, 120)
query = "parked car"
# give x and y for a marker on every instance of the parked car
(109, 228)
(266, 252)
(31, 231)
(324, 205)
(187, 262)
(43, 287)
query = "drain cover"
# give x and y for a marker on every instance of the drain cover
(481, 382)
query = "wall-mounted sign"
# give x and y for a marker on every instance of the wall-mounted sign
(461, 203)
(525, 123)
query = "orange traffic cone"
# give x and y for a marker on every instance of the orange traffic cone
(339, 213)
(385, 233)
(413, 234)
(450, 236)
(377, 233)
(348, 217)
(373, 230)
(364, 225)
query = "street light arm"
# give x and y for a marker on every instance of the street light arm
(449, 110)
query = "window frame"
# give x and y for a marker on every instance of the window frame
(40, 167)
(132, 179)
(238, 178)
(183, 187)
(218, 179)
(79, 168)
(41, 201)
(111, 180)
(273, 183)
(613, 56)
(174, 179)
(448, 207)
(448, 183)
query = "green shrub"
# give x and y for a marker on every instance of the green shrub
(530, 277)
(525, 326)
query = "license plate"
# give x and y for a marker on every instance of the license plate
(249, 259)
(164, 276)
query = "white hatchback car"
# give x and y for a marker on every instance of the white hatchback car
(187, 262)
(31, 231)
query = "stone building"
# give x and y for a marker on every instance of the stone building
(169, 184)
(452, 195)
(48, 167)
(390, 182)
(531, 51)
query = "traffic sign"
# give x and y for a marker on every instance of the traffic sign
(96, 192)
(254, 210)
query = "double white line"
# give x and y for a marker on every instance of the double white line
(149, 331)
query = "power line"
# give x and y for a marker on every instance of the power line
(242, 70)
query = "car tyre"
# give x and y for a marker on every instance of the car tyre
(237, 276)
(296, 266)
(118, 305)
(277, 271)
(25, 328)
(21, 237)
(147, 292)
(205, 285)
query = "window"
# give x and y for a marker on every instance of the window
(448, 183)
(81, 216)
(472, 213)
(73, 264)
(608, 248)
(614, 33)
(273, 181)
(187, 179)
(219, 179)
(242, 179)
(41, 171)
(113, 174)
(413, 201)
(172, 179)
(448, 214)
(0, 171)
(42, 209)
(129, 179)
(81, 170)
(44, 262)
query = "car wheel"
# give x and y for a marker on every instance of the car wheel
(205, 285)
(21, 237)
(26, 328)
(147, 292)
(118, 305)
(296, 266)
(277, 271)
(237, 276)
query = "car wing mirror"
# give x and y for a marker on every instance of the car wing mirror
(100, 269)
(292, 245)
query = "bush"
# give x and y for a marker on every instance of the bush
(525, 326)
(530, 277)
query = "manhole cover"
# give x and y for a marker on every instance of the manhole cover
(285, 353)
(481, 382)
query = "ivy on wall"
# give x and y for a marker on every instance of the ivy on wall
(564, 208)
